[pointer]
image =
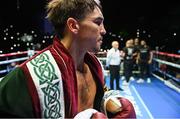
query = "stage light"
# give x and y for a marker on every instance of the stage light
(11, 26)
(27, 38)
(27, 44)
(114, 35)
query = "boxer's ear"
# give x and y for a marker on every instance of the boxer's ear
(73, 25)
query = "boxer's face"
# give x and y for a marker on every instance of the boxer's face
(91, 31)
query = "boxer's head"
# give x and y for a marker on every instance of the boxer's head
(58, 11)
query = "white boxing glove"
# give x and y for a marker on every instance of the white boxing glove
(90, 114)
(86, 114)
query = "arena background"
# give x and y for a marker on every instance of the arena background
(156, 21)
(23, 27)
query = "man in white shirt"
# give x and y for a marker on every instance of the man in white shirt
(113, 62)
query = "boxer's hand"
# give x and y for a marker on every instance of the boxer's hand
(113, 105)
(126, 112)
(110, 102)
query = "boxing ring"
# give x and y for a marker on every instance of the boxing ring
(167, 68)
(9, 61)
(158, 99)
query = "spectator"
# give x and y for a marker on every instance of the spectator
(144, 60)
(129, 53)
(113, 62)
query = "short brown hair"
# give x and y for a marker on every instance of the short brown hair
(60, 10)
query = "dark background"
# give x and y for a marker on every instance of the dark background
(157, 21)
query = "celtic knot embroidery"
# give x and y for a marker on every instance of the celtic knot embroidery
(52, 101)
(48, 80)
(43, 68)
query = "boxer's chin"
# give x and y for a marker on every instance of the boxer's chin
(95, 50)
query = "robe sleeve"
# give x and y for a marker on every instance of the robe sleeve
(15, 100)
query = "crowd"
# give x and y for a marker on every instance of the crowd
(135, 56)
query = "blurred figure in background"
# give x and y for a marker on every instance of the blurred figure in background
(144, 59)
(113, 62)
(12, 66)
(129, 53)
(135, 65)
